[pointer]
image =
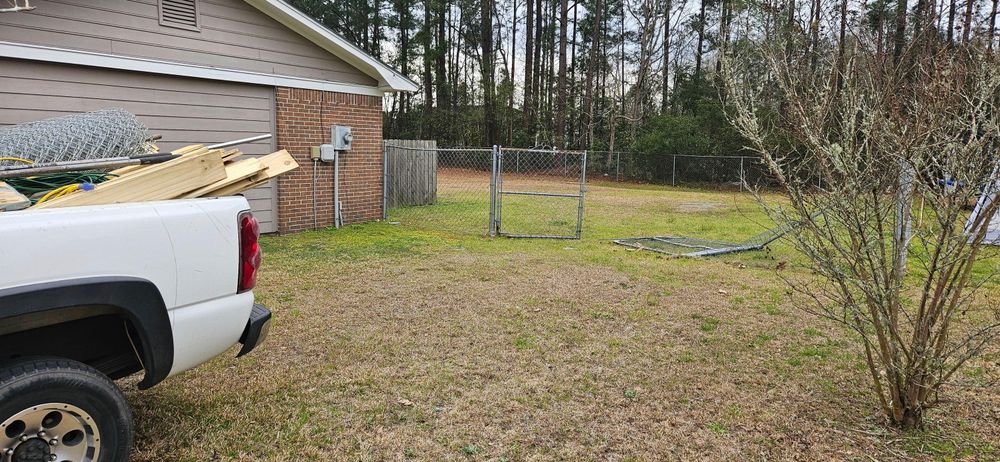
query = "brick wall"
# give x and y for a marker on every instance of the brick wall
(304, 118)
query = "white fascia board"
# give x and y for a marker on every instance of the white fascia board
(92, 59)
(389, 79)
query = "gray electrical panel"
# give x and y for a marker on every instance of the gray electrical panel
(327, 153)
(341, 137)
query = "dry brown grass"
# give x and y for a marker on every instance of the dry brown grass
(392, 344)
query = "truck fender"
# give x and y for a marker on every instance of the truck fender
(135, 299)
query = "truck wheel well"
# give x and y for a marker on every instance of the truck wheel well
(103, 340)
(135, 300)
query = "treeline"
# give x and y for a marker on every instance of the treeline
(606, 74)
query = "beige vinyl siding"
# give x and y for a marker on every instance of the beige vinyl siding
(183, 110)
(233, 35)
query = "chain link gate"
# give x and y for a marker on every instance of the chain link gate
(538, 193)
(511, 192)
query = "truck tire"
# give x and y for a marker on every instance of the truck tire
(55, 410)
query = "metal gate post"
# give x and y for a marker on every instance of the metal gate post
(493, 192)
(499, 218)
(741, 173)
(385, 181)
(673, 174)
(583, 188)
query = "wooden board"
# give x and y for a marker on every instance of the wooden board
(168, 180)
(278, 163)
(239, 186)
(235, 172)
(231, 155)
(272, 165)
(186, 150)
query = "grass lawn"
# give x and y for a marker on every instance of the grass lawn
(425, 341)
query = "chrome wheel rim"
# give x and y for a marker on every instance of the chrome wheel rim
(54, 432)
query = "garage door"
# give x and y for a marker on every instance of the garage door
(183, 110)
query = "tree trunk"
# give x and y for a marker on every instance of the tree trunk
(993, 25)
(967, 28)
(513, 58)
(550, 74)
(595, 43)
(790, 27)
(403, 10)
(899, 35)
(921, 17)
(665, 104)
(951, 21)
(428, 56)
(841, 39)
(538, 52)
(456, 63)
(814, 20)
(723, 38)
(561, 103)
(489, 111)
(621, 56)
(701, 39)
(529, 66)
(573, 112)
(376, 45)
(441, 71)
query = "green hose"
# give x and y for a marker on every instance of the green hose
(47, 182)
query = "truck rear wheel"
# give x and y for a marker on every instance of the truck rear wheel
(56, 410)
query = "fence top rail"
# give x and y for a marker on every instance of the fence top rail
(696, 156)
(717, 157)
(425, 148)
(543, 150)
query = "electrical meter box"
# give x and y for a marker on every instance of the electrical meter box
(341, 137)
(327, 153)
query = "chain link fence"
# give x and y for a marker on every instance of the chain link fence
(716, 172)
(535, 192)
(485, 191)
(432, 188)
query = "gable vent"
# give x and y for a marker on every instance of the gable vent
(182, 14)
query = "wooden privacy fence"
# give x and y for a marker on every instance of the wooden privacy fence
(410, 172)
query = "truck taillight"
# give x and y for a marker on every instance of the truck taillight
(250, 253)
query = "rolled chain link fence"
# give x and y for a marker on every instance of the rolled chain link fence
(91, 135)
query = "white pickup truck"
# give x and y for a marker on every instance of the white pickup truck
(93, 294)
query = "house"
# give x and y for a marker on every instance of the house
(205, 71)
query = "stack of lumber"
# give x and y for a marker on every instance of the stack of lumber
(198, 172)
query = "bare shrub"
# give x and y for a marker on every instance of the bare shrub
(890, 152)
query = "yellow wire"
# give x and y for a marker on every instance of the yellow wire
(58, 192)
(17, 159)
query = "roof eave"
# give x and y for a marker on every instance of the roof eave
(389, 80)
